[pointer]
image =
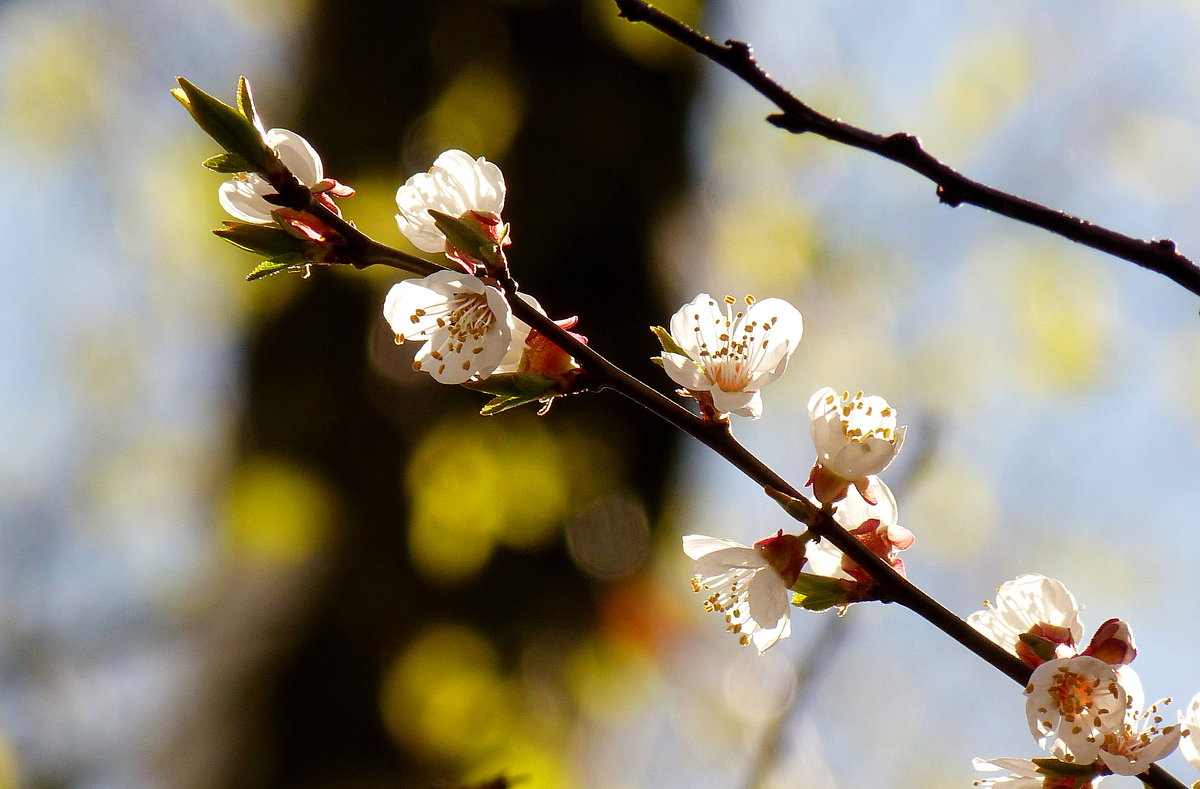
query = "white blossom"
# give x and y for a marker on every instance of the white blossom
(1032, 604)
(851, 514)
(741, 584)
(456, 184)
(732, 355)
(1072, 703)
(243, 196)
(855, 438)
(1141, 740)
(1190, 721)
(466, 325)
(1024, 774)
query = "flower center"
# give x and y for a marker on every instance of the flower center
(864, 417)
(729, 596)
(740, 348)
(1074, 694)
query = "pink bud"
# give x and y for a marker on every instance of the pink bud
(1113, 643)
(785, 553)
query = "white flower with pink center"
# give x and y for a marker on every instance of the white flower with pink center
(855, 438)
(457, 184)
(1141, 740)
(244, 195)
(1032, 605)
(732, 355)
(1072, 703)
(875, 525)
(466, 325)
(746, 585)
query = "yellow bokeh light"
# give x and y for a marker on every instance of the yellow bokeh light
(444, 699)
(10, 774)
(641, 41)
(478, 112)
(275, 512)
(610, 679)
(476, 485)
(56, 71)
(954, 509)
(1064, 313)
(982, 82)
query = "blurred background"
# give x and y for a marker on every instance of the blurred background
(243, 545)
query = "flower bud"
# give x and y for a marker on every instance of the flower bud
(1113, 643)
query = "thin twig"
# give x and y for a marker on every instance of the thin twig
(953, 188)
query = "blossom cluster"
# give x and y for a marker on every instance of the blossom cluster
(722, 356)
(1084, 706)
(1084, 702)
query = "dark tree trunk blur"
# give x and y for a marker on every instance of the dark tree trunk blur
(597, 155)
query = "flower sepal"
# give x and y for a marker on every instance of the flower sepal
(1042, 649)
(266, 240)
(237, 130)
(284, 250)
(475, 242)
(1065, 769)
(820, 592)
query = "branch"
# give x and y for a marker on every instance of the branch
(893, 586)
(953, 188)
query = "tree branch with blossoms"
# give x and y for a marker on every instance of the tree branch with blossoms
(953, 188)
(1084, 704)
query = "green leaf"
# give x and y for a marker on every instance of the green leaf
(276, 265)
(245, 102)
(261, 239)
(229, 127)
(466, 238)
(513, 389)
(504, 402)
(667, 341)
(228, 163)
(819, 592)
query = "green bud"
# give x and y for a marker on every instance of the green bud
(232, 130)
